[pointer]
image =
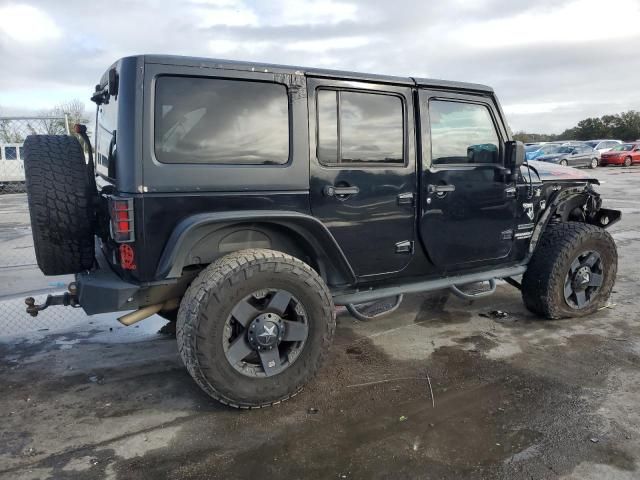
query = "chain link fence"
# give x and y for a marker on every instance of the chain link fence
(19, 273)
(13, 131)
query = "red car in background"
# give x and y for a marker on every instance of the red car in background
(626, 154)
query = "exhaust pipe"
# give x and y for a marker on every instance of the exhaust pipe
(141, 314)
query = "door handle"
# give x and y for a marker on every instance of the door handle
(441, 188)
(331, 191)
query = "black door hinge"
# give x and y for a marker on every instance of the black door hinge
(405, 198)
(405, 246)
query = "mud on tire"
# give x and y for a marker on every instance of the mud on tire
(60, 203)
(207, 306)
(543, 284)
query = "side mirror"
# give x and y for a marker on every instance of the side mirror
(112, 82)
(514, 155)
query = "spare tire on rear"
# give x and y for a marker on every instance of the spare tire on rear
(61, 199)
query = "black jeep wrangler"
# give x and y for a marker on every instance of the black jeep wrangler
(245, 200)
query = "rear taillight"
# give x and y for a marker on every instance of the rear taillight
(127, 257)
(122, 227)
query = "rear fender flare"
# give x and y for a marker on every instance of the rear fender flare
(202, 231)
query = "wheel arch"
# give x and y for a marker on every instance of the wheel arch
(568, 205)
(202, 238)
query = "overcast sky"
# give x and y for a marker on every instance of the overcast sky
(552, 63)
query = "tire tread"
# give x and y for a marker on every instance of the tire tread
(225, 273)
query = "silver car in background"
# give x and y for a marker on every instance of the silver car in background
(603, 145)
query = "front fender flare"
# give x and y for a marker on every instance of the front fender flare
(192, 229)
(566, 196)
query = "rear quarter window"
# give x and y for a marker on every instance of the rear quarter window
(221, 121)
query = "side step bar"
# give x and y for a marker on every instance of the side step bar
(369, 295)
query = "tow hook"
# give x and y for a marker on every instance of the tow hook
(69, 298)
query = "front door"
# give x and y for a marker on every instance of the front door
(468, 199)
(363, 174)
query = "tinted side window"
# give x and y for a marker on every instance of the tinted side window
(204, 120)
(462, 133)
(358, 127)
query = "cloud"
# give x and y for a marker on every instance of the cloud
(225, 12)
(26, 24)
(581, 21)
(327, 44)
(552, 62)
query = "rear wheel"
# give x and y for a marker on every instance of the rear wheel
(627, 162)
(594, 163)
(563, 163)
(61, 197)
(254, 327)
(572, 271)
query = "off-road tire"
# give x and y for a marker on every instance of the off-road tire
(60, 203)
(543, 282)
(207, 304)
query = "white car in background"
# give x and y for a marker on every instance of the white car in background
(11, 164)
(603, 145)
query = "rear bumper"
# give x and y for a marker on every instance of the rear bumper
(102, 290)
(611, 161)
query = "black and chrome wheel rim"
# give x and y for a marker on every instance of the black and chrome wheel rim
(584, 280)
(265, 333)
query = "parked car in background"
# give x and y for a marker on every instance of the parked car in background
(625, 154)
(603, 145)
(532, 152)
(580, 155)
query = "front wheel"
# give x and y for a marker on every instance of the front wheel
(564, 163)
(254, 327)
(594, 163)
(627, 162)
(572, 271)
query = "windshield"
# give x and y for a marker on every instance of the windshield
(532, 148)
(592, 144)
(627, 147)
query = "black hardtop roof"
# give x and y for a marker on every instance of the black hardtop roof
(313, 72)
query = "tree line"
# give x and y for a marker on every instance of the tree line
(621, 126)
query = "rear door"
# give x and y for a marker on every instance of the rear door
(363, 177)
(468, 200)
